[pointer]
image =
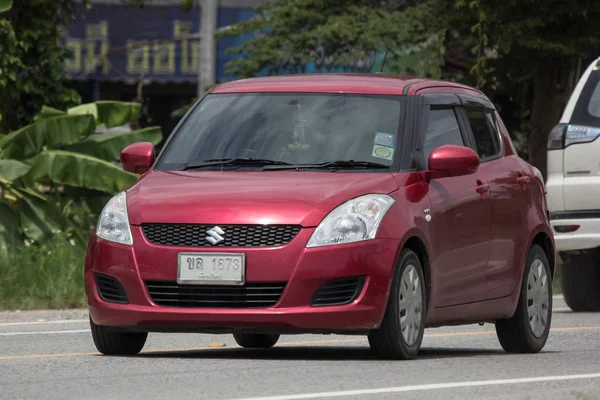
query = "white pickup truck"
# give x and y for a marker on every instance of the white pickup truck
(573, 197)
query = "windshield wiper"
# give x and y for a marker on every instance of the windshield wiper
(233, 161)
(333, 164)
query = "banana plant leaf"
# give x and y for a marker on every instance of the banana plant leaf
(10, 231)
(5, 5)
(53, 133)
(48, 112)
(108, 146)
(12, 169)
(109, 113)
(79, 170)
(40, 219)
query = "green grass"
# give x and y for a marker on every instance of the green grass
(49, 276)
(556, 289)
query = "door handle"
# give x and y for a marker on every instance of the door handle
(523, 180)
(482, 188)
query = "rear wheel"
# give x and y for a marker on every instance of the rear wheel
(255, 340)
(527, 330)
(401, 332)
(580, 280)
(113, 343)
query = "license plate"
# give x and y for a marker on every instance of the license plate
(211, 269)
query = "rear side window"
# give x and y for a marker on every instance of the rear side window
(594, 104)
(442, 129)
(485, 132)
(587, 109)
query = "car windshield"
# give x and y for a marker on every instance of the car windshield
(273, 130)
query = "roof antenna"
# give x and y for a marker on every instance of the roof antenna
(384, 60)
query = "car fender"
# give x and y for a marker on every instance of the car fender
(411, 233)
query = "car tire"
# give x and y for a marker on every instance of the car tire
(580, 281)
(527, 330)
(114, 343)
(401, 332)
(255, 340)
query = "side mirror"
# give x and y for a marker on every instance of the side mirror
(452, 160)
(137, 157)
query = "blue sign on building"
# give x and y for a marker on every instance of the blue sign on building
(139, 41)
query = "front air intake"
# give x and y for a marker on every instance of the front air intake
(109, 289)
(338, 292)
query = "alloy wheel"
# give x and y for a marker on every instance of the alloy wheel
(537, 298)
(411, 304)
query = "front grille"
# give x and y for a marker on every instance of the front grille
(252, 295)
(109, 289)
(192, 235)
(338, 292)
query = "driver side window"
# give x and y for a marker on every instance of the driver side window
(442, 129)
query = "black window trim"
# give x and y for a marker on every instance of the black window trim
(434, 101)
(581, 114)
(487, 107)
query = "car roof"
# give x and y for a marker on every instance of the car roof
(341, 83)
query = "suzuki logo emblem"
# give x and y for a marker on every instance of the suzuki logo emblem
(213, 235)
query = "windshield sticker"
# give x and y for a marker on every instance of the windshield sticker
(384, 139)
(383, 152)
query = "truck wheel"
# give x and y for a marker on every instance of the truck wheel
(580, 280)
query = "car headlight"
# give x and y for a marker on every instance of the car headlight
(355, 220)
(113, 223)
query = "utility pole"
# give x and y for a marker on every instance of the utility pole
(208, 48)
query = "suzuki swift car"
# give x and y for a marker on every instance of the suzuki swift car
(344, 204)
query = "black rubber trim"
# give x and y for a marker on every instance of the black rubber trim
(110, 289)
(407, 87)
(583, 214)
(338, 292)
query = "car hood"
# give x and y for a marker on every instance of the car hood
(247, 197)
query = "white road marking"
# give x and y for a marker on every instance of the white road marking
(42, 333)
(64, 321)
(431, 386)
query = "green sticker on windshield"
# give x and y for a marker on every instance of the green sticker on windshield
(387, 153)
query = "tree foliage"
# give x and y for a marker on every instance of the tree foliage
(285, 35)
(32, 60)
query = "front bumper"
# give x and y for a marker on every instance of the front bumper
(586, 236)
(302, 270)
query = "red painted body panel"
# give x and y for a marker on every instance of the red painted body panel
(510, 232)
(137, 158)
(476, 243)
(461, 229)
(248, 197)
(333, 83)
(304, 270)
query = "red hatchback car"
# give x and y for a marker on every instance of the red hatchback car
(339, 203)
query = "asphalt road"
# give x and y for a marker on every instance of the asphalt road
(57, 360)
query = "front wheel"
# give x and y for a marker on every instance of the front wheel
(113, 343)
(401, 332)
(255, 340)
(527, 330)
